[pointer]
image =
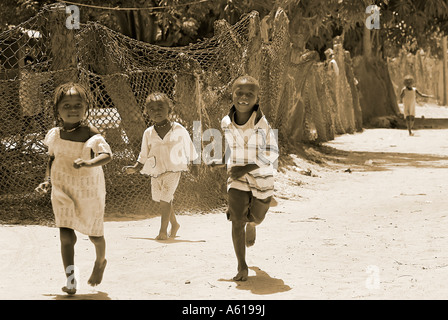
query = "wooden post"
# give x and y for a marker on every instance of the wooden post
(367, 45)
(280, 40)
(63, 46)
(444, 48)
(253, 63)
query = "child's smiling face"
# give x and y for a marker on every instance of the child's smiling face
(158, 111)
(72, 108)
(244, 96)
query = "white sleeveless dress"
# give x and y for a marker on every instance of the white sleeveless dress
(409, 102)
(78, 196)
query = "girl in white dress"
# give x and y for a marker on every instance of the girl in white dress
(77, 153)
(408, 98)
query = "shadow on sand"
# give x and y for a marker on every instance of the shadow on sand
(381, 161)
(170, 240)
(88, 296)
(261, 283)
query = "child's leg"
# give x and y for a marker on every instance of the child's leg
(100, 262)
(257, 212)
(165, 187)
(165, 208)
(68, 240)
(250, 234)
(411, 122)
(238, 238)
(174, 224)
(237, 213)
(408, 123)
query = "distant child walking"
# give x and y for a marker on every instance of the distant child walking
(252, 151)
(166, 151)
(77, 153)
(408, 98)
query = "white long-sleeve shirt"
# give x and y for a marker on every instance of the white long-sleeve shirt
(171, 154)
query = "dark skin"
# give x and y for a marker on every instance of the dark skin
(159, 113)
(82, 134)
(67, 236)
(72, 110)
(410, 119)
(244, 96)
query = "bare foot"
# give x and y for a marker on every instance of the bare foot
(69, 291)
(174, 229)
(70, 288)
(97, 273)
(162, 236)
(250, 234)
(241, 275)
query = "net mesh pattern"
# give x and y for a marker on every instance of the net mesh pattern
(42, 53)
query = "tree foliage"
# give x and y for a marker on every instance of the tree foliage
(411, 24)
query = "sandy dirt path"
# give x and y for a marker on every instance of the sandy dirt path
(376, 231)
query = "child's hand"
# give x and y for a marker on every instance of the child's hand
(78, 163)
(129, 170)
(194, 170)
(237, 172)
(213, 165)
(43, 188)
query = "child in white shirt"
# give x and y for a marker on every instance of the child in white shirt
(166, 151)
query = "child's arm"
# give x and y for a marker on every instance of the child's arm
(133, 169)
(239, 171)
(100, 160)
(42, 188)
(402, 95)
(142, 157)
(423, 95)
(100, 152)
(267, 153)
(216, 163)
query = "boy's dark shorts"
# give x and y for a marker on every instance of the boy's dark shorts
(244, 207)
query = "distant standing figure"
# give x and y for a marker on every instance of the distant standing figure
(332, 64)
(408, 98)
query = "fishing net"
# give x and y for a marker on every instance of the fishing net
(42, 53)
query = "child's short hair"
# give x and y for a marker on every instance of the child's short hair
(408, 80)
(159, 96)
(246, 79)
(62, 90)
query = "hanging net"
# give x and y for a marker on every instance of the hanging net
(42, 53)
